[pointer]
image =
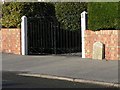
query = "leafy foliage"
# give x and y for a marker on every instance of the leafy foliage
(68, 14)
(103, 15)
(13, 11)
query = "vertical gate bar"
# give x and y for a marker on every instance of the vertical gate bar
(79, 36)
(32, 36)
(69, 41)
(35, 35)
(28, 32)
(49, 43)
(78, 45)
(45, 36)
(28, 39)
(60, 40)
(31, 30)
(61, 35)
(38, 40)
(41, 35)
(70, 36)
(36, 30)
(66, 41)
(37, 26)
(63, 40)
(52, 38)
(46, 27)
(55, 39)
(48, 38)
(77, 41)
(76, 33)
(74, 42)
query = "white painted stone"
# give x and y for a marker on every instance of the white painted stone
(24, 36)
(83, 28)
(98, 50)
(9, 50)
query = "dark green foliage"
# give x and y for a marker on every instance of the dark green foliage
(68, 14)
(103, 15)
(118, 27)
(13, 11)
(11, 14)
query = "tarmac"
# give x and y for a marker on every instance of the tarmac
(70, 68)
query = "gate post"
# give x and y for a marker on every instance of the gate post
(83, 28)
(24, 47)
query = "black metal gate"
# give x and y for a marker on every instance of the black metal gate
(46, 37)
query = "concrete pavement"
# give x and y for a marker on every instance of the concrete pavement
(63, 66)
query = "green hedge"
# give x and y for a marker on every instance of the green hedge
(69, 13)
(13, 11)
(103, 15)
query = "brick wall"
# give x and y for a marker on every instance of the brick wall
(10, 41)
(108, 37)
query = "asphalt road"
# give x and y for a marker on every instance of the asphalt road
(67, 66)
(13, 80)
(73, 67)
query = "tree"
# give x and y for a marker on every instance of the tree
(13, 11)
(69, 13)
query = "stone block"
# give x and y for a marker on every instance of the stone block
(98, 51)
